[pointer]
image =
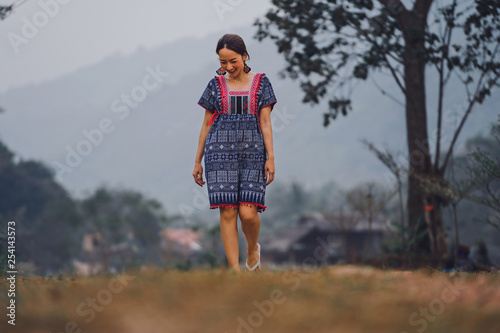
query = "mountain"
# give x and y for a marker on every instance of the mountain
(149, 145)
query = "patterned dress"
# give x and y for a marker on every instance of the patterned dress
(235, 154)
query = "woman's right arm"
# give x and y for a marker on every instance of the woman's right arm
(198, 168)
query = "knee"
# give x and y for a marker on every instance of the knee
(248, 214)
(228, 214)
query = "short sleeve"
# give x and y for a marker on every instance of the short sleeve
(267, 97)
(208, 99)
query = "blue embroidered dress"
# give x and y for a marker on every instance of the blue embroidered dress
(235, 154)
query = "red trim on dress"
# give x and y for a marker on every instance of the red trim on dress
(260, 208)
(223, 93)
(253, 93)
(268, 105)
(238, 93)
(213, 116)
(223, 205)
(253, 96)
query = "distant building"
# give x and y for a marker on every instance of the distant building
(180, 244)
(86, 268)
(319, 238)
(97, 255)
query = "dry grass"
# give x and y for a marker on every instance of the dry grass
(344, 299)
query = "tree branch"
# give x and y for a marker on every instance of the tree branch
(391, 68)
(402, 17)
(492, 83)
(394, 74)
(492, 195)
(446, 39)
(386, 93)
(464, 118)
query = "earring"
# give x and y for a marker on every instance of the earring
(246, 69)
(220, 71)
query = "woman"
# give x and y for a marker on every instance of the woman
(237, 141)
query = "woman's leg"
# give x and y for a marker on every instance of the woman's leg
(229, 233)
(250, 224)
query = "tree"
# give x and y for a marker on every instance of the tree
(369, 200)
(484, 173)
(388, 159)
(479, 181)
(47, 221)
(124, 221)
(329, 44)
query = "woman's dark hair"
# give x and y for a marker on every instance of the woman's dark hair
(234, 43)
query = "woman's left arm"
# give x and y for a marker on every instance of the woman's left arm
(267, 133)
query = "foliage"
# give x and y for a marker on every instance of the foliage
(294, 199)
(329, 44)
(402, 245)
(484, 174)
(50, 225)
(4, 11)
(388, 158)
(123, 221)
(368, 199)
(46, 219)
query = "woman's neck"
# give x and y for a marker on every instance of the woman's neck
(241, 77)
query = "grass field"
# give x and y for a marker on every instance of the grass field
(344, 299)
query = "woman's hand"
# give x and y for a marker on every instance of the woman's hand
(198, 174)
(269, 168)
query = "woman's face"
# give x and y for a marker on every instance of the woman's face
(232, 62)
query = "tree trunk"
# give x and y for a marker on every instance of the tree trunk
(418, 144)
(420, 164)
(434, 222)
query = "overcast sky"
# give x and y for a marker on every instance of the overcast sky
(82, 32)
